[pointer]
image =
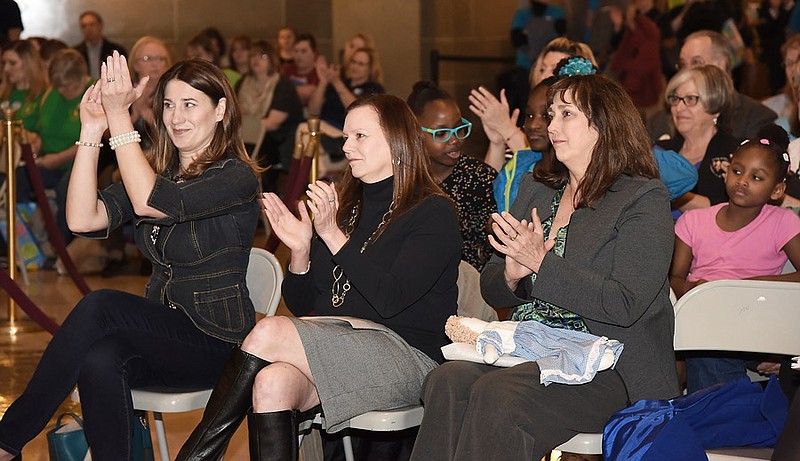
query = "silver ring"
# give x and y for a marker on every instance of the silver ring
(331, 200)
(110, 79)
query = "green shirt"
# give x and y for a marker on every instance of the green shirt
(59, 123)
(28, 111)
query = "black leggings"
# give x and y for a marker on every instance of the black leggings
(110, 342)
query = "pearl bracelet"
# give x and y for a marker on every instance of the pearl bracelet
(89, 144)
(125, 138)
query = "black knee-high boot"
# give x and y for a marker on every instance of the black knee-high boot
(273, 435)
(230, 401)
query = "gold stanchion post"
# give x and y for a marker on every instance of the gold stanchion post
(12, 325)
(312, 149)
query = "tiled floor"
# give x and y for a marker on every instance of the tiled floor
(20, 353)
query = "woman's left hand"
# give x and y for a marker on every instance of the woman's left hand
(323, 201)
(115, 84)
(522, 243)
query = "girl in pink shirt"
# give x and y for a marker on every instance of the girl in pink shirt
(745, 238)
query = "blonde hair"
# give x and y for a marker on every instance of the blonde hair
(137, 48)
(560, 45)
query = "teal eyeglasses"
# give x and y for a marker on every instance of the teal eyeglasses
(444, 134)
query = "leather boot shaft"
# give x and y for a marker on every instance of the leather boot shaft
(273, 436)
(230, 401)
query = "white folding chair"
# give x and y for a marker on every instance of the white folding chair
(728, 315)
(264, 278)
(739, 316)
(470, 304)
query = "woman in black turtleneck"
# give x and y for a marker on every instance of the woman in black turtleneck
(383, 250)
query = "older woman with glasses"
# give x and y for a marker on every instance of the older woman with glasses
(466, 180)
(700, 99)
(149, 58)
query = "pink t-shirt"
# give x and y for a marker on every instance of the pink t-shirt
(755, 249)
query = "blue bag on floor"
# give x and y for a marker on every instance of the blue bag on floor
(736, 414)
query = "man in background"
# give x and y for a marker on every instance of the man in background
(95, 47)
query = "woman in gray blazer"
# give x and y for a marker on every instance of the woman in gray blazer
(587, 246)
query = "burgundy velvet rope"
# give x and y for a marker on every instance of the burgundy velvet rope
(50, 222)
(26, 304)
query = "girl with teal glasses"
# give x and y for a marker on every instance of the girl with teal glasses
(467, 181)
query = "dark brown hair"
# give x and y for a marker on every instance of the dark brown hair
(412, 181)
(623, 145)
(205, 77)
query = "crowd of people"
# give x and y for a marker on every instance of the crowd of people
(626, 165)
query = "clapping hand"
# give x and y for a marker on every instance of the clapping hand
(323, 201)
(497, 124)
(116, 87)
(93, 117)
(293, 232)
(522, 243)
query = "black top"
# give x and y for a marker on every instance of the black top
(10, 18)
(405, 279)
(709, 182)
(278, 145)
(470, 185)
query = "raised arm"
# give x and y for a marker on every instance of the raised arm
(85, 212)
(500, 127)
(118, 93)
(317, 97)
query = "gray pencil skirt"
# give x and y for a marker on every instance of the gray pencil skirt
(357, 370)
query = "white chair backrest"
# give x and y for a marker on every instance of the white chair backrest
(264, 278)
(740, 315)
(470, 300)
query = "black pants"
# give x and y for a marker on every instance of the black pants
(110, 342)
(480, 412)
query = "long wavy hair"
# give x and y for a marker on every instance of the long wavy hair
(412, 182)
(227, 142)
(34, 71)
(623, 145)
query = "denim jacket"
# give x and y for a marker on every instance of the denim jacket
(200, 251)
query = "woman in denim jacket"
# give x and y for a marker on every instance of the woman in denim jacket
(193, 204)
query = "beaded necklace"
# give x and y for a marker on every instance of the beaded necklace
(340, 288)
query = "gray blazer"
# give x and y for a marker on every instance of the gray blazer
(613, 274)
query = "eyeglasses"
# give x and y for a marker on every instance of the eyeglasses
(147, 58)
(444, 134)
(690, 100)
(694, 62)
